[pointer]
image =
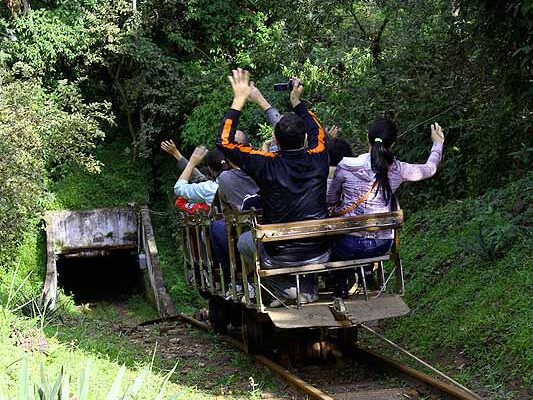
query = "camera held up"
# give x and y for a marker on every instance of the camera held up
(282, 87)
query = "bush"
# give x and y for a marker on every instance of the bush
(40, 131)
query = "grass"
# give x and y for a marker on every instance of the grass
(122, 181)
(469, 269)
(93, 337)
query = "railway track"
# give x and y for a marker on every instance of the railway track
(366, 376)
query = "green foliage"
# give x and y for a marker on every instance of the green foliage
(469, 293)
(69, 69)
(361, 60)
(163, 67)
(202, 125)
(50, 41)
(39, 132)
(121, 181)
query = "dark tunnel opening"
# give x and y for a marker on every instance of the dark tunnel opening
(111, 276)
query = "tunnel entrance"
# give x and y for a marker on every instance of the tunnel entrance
(104, 254)
(100, 276)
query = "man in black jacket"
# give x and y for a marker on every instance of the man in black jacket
(292, 182)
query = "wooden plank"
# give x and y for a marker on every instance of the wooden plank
(309, 316)
(241, 217)
(311, 391)
(319, 315)
(386, 306)
(329, 266)
(164, 303)
(377, 394)
(328, 227)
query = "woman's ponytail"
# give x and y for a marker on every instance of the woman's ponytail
(382, 134)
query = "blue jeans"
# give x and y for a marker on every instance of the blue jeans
(348, 247)
(219, 244)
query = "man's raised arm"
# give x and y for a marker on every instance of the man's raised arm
(245, 157)
(272, 114)
(316, 137)
(170, 147)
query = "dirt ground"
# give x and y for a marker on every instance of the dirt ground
(208, 363)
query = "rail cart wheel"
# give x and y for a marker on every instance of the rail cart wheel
(346, 339)
(235, 314)
(218, 316)
(305, 345)
(253, 329)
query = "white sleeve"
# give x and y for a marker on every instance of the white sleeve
(203, 192)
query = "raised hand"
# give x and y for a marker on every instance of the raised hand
(333, 131)
(240, 83)
(170, 147)
(297, 90)
(437, 136)
(257, 97)
(265, 146)
(198, 155)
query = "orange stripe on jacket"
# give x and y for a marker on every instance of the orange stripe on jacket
(243, 149)
(321, 145)
(225, 132)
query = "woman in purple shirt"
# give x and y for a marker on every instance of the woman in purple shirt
(366, 185)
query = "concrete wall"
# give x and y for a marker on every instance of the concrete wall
(106, 228)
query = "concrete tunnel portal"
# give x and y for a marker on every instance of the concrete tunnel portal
(103, 254)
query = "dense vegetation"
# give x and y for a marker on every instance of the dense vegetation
(89, 88)
(470, 271)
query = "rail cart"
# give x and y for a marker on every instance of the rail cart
(301, 327)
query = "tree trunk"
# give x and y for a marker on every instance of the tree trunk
(26, 6)
(375, 45)
(115, 78)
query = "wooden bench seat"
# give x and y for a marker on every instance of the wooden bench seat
(328, 227)
(318, 314)
(314, 268)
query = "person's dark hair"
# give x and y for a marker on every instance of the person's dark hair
(290, 132)
(338, 148)
(206, 171)
(381, 135)
(216, 161)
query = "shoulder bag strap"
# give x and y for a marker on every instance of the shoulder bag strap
(352, 207)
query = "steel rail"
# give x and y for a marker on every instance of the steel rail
(417, 376)
(457, 391)
(290, 378)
